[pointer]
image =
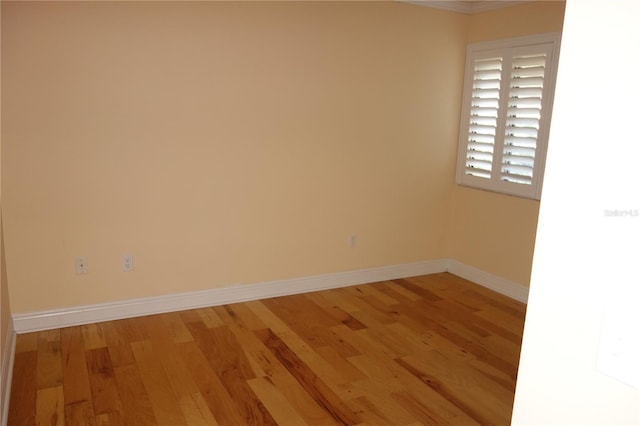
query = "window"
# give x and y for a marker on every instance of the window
(506, 112)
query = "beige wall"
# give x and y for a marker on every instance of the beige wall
(490, 231)
(5, 311)
(226, 143)
(5, 308)
(222, 143)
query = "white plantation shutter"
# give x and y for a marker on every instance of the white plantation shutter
(505, 117)
(483, 120)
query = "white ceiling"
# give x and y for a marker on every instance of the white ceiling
(468, 7)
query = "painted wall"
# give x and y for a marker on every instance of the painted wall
(5, 311)
(6, 330)
(491, 231)
(584, 284)
(222, 143)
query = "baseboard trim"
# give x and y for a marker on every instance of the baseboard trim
(78, 315)
(7, 372)
(45, 320)
(493, 282)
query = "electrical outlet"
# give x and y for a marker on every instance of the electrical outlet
(127, 263)
(353, 239)
(82, 265)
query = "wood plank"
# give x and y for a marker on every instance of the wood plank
(310, 322)
(230, 363)
(22, 407)
(104, 390)
(50, 406)
(75, 376)
(277, 404)
(27, 342)
(196, 411)
(374, 391)
(49, 359)
(280, 380)
(424, 292)
(93, 336)
(164, 402)
(427, 413)
(239, 314)
(177, 330)
(370, 413)
(318, 390)
(118, 338)
(396, 291)
(79, 414)
(210, 317)
(216, 396)
(166, 352)
(135, 407)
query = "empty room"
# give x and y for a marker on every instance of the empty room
(308, 213)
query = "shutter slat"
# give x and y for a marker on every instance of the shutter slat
(523, 112)
(486, 93)
(485, 103)
(486, 157)
(528, 72)
(511, 140)
(487, 64)
(522, 132)
(526, 92)
(479, 146)
(516, 170)
(484, 121)
(477, 173)
(522, 180)
(520, 151)
(477, 137)
(529, 61)
(516, 160)
(483, 130)
(486, 84)
(525, 103)
(478, 164)
(523, 122)
(484, 112)
(527, 82)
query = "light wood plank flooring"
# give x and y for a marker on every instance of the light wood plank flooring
(433, 349)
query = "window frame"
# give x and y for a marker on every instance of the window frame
(506, 47)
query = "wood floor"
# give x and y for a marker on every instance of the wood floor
(433, 349)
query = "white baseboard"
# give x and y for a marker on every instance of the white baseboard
(78, 315)
(45, 320)
(493, 282)
(6, 374)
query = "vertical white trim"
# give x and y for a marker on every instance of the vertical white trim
(7, 372)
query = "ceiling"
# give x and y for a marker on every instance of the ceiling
(469, 7)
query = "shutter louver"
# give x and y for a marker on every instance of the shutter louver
(524, 111)
(485, 99)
